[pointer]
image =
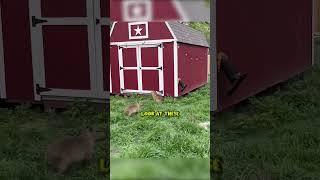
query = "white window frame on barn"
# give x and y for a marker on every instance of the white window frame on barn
(2, 71)
(138, 37)
(95, 53)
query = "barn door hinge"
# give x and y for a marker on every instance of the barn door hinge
(160, 45)
(160, 68)
(40, 89)
(36, 21)
(97, 21)
(121, 67)
(161, 91)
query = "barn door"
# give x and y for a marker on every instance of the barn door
(129, 66)
(63, 48)
(141, 68)
(151, 68)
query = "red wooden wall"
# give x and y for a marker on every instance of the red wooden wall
(193, 66)
(270, 40)
(168, 69)
(17, 49)
(114, 64)
(105, 30)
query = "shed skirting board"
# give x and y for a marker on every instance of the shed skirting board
(2, 69)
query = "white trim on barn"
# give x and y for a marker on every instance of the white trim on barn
(120, 59)
(110, 81)
(100, 21)
(136, 91)
(2, 70)
(175, 65)
(112, 27)
(67, 98)
(139, 71)
(36, 50)
(146, 42)
(69, 93)
(172, 34)
(138, 37)
(161, 74)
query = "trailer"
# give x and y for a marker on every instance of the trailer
(48, 54)
(168, 57)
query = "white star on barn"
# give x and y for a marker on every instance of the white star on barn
(138, 30)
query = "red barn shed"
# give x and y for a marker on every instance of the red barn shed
(54, 50)
(168, 57)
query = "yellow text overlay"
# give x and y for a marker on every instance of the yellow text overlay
(160, 114)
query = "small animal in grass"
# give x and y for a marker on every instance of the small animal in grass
(205, 125)
(68, 150)
(158, 98)
(132, 109)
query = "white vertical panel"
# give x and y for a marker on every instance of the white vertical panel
(2, 68)
(110, 80)
(175, 70)
(98, 52)
(140, 85)
(121, 73)
(160, 63)
(36, 47)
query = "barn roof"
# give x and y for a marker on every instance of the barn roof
(186, 34)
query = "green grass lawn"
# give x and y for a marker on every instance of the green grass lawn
(273, 136)
(25, 133)
(162, 137)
